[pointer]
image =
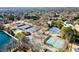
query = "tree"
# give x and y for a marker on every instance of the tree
(2, 26)
(57, 23)
(77, 21)
(18, 17)
(11, 17)
(32, 17)
(9, 30)
(20, 36)
(69, 34)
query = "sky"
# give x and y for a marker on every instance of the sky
(39, 3)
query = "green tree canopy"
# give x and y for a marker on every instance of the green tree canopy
(68, 33)
(11, 17)
(2, 26)
(57, 23)
(19, 35)
(77, 21)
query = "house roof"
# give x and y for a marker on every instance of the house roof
(77, 27)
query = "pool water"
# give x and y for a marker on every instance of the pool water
(4, 38)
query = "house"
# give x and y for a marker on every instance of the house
(68, 22)
(76, 27)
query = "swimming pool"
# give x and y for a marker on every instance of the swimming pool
(7, 42)
(4, 38)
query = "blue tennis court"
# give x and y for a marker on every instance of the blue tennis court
(19, 24)
(55, 42)
(33, 29)
(25, 26)
(54, 30)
